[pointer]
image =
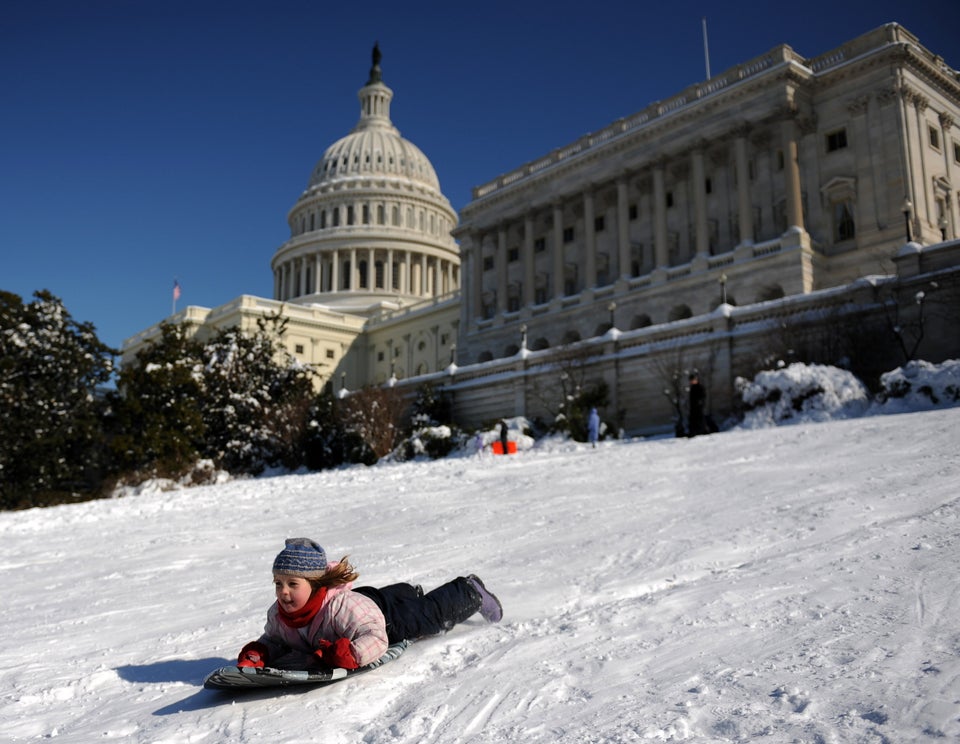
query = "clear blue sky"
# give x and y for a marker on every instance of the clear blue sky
(146, 141)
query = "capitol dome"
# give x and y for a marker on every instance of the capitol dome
(372, 222)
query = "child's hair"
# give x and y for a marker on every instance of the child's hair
(336, 575)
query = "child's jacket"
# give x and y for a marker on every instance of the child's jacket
(343, 614)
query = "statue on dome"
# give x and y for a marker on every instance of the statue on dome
(375, 74)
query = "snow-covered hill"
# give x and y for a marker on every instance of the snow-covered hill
(791, 584)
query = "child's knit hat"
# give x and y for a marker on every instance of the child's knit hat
(301, 557)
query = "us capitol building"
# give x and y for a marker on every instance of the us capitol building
(774, 184)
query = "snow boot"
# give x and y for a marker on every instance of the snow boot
(490, 608)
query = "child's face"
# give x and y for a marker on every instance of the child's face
(292, 592)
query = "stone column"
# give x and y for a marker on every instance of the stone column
(424, 278)
(335, 271)
(951, 208)
(623, 229)
(501, 267)
(317, 274)
(558, 251)
(661, 250)
(388, 272)
(354, 272)
(699, 203)
(744, 206)
(474, 271)
(528, 260)
(791, 173)
(589, 242)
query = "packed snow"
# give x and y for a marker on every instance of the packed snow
(768, 583)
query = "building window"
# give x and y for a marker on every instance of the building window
(379, 356)
(366, 214)
(540, 295)
(708, 186)
(513, 304)
(488, 263)
(298, 349)
(598, 224)
(669, 199)
(632, 211)
(779, 160)
(836, 140)
(329, 353)
(539, 245)
(323, 219)
(513, 254)
(568, 235)
(956, 152)
(380, 216)
(336, 217)
(934, 138)
(350, 217)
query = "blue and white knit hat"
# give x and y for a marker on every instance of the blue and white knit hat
(301, 557)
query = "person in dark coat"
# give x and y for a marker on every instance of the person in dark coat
(503, 436)
(698, 398)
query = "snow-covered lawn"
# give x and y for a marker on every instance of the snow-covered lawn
(788, 584)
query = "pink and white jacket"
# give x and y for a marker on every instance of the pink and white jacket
(343, 614)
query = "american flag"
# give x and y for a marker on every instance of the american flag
(176, 290)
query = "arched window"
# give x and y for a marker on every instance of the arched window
(640, 321)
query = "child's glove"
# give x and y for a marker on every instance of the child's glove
(336, 654)
(254, 654)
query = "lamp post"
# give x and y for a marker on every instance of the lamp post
(907, 210)
(943, 226)
(523, 336)
(612, 307)
(453, 353)
(723, 289)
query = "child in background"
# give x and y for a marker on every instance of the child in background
(320, 617)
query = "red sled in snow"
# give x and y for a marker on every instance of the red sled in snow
(498, 448)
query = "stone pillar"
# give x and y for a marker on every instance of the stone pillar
(354, 272)
(371, 270)
(528, 260)
(317, 274)
(623, 229)
(791, 173)
(744, 205)
(558, 251)
(699, 203)
(589, 242)
(388, 271)
(335, 271)
(501, 268)
(661, 250)
(951, 208)
(475, 274)
(424, 278)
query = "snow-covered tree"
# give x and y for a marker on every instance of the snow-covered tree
(257, 400)
(51, 448)
(157, 419)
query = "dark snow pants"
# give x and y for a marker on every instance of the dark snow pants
(411, 614)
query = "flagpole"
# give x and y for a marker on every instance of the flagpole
(706, 49)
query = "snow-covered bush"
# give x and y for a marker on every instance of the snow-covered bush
(51, 431)
(801, 393)
(920, 385)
